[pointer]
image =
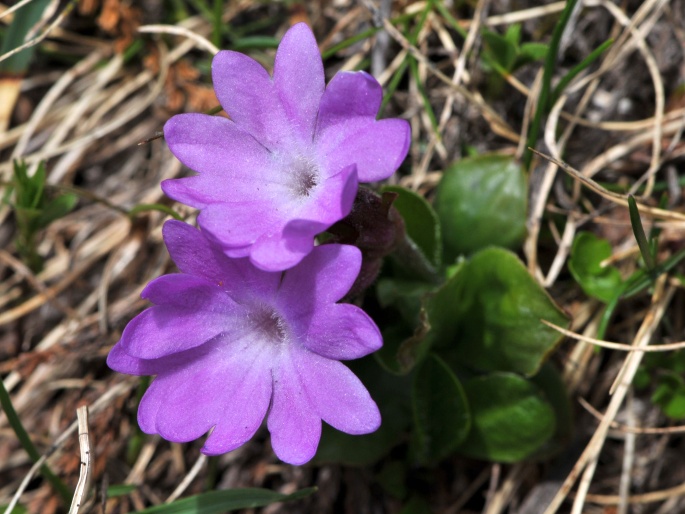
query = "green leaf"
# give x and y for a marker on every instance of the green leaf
(254, 42)
(530, 52)
(116, 490)
(587, 254)
(417, 504)
(17, 509)
(441, 413)
(420, 221)
(549, 380)
(480, 202)
(392, 478)
(405, 295)
(24, 20)
(38, 186)
(437, 322)
(57, 208)
(27, 189)
(670, 395)
(511, 418)
(226, 501)
(394, 336)
(497, 307)
(513, 34)
(642, 378)
(499, 49)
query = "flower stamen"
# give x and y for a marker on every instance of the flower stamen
(270, 325)
(305, 175)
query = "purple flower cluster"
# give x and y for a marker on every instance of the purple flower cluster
(250, 327)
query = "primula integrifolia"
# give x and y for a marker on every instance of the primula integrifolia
(286, 166)
(231, 344)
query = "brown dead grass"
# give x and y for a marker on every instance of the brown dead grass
(622, 123)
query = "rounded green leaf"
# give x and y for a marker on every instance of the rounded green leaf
(441, 413)
(587, 254)
(497, 313)
(481, 201)
(511, 418)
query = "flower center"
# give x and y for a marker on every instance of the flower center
(269, 325)
(305, 177)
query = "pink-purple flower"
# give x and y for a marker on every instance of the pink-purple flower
(286, 165)
(231, 344)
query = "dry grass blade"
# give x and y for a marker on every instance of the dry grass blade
(588, 459)
(109, 78)
(665, 347)
(84, 447)
(180, 31)
(631, 429)
(615, 198)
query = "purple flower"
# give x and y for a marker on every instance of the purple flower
(286, 165)
(231, 344)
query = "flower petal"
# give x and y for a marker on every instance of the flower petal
(191, 312)
(195, 255)
(299, 79)
(187, 401)
(323, 277)
(120, 361)
(247, 395)
(235, 225)
(183, 291)
(342, 332)
(337, 395)
(216, 146)
(376, 147)
(282, 248)
(150, 403)
(279, 251)
(180, 406)
(206, 189)
(335, 199)
(348, 94)
(295, 428)
(247, 93)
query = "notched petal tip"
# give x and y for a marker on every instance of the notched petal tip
(299, 79)
(349, 94)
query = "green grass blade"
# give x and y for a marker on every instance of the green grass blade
(573, 72)
(23, 21)
(543, 99)
(640, 236)
(217, 502)
(27, 444)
